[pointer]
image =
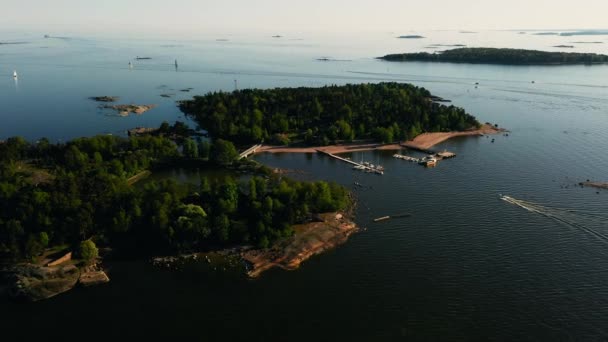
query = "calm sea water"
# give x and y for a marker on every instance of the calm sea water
(465, 266)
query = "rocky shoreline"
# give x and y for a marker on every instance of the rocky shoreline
(32, 282)
(325, 232)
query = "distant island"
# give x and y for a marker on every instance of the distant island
(411, 37)
(564, 46)
(500, 56)
(585, 33)
(546, 34)
(13, 43)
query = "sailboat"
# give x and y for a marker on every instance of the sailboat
(176, 64)
(15, 74)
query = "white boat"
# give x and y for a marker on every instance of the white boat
(15, 74)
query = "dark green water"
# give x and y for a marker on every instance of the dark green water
(465, 266)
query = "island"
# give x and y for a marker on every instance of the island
(500, 56)
(546, 34)
(307, 116)
(585, 33)
(413, 36)
(126, 109)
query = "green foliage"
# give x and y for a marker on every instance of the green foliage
(190, 148)
(204, 149)
(324, 115)
(88, 251)
(89, 197)
(223, 152)
(501, 56)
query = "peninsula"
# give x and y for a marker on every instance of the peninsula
(70, 198)
(500, 56)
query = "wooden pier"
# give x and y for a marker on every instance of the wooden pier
(249, 151)
(407, 158)
(361, 166)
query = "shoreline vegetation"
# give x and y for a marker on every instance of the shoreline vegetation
(500, 56)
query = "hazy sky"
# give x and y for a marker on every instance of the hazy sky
(299, 15)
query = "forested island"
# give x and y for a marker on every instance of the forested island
(81, 195)
(383, 112)
(500, 56)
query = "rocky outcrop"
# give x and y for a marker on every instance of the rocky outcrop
(92, 275)
(328, 231)
(125, 110)
(105, 98)
(33, 282)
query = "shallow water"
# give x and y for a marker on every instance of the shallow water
(465, 266)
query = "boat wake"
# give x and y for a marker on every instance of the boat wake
(570, 217)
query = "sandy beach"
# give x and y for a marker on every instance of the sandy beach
(423, 141)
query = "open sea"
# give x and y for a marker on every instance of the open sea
(465, 266)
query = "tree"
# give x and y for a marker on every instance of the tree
(204, 148)
(88, 251)
(164, 127)
(190, 148)
(223, 152)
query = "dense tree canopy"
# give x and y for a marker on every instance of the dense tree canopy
(501, 56)
(385, 112)
(56, 194)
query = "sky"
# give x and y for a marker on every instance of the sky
(299, 15)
